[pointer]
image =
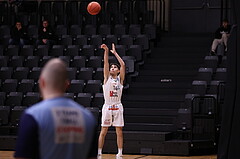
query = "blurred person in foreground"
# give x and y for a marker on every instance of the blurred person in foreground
(57, 127)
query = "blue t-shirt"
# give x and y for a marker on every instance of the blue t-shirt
(57, 128)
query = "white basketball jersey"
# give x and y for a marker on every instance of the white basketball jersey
(112, 91)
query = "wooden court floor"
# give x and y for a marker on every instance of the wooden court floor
(9, 155)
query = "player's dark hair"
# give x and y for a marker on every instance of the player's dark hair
(116, 64)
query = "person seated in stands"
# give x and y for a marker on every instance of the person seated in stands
(19, 35)
(221, 36)
(46, 34)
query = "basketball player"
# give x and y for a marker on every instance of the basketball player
(112, 111)
(57, 127)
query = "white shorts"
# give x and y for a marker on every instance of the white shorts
(112, 115)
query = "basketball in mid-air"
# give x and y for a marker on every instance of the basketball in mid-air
(93, 8)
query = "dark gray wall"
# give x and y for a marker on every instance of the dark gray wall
(195, 15)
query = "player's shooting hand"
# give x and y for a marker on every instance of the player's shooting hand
(104, 46)
(113, 49)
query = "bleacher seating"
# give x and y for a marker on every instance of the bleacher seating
(209, 104)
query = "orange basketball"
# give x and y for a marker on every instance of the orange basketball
(93, 8)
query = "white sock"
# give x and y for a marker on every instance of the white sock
(99, 151)
(120, 151)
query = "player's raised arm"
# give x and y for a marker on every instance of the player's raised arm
(122, 64)
(106, 63)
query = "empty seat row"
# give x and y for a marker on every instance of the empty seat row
(201, 87)
(207, 74)
(74, 61)
(74, 45)
(70, 50)
(214, 62)
(10, 116)
(84, 73)
(27, 99)
(28, 85)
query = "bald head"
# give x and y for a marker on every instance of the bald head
(54, 76)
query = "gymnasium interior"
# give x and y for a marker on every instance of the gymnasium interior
(179, 100)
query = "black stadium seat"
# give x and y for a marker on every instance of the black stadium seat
(2, 98)
(93, 86)
(20, 73)
(69, 95)
(199, 87)
(31, 61)
(27, 50)
(65, 40)
(121, 50)
(4, 30)
(72, 71)
(104, 30)
(142, 40)
(76, 86)
(85, 73)
(136, 51)
(87, 50)
(26, 85)
(80, 40)
(111, 39)
(78, 61)
(211, 62)
(90, 30)
(15, 115)
(4, 61)
(98, 100)
(9, 85)
(75, 30)
(119, 30)
(14, 99)
(42, 50)
(205, 74)
(84, 99)
(4, 115)
(134, 30)
(34, 73)
(95, 61)
(57, 50)
(126, 40)
(72, 50)
(12, 50)
(98, 74)
(96, 40)
(6, 73)
(61, 30)
(16, 61)
(221, 74)
(32, 31)
(30, 98)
